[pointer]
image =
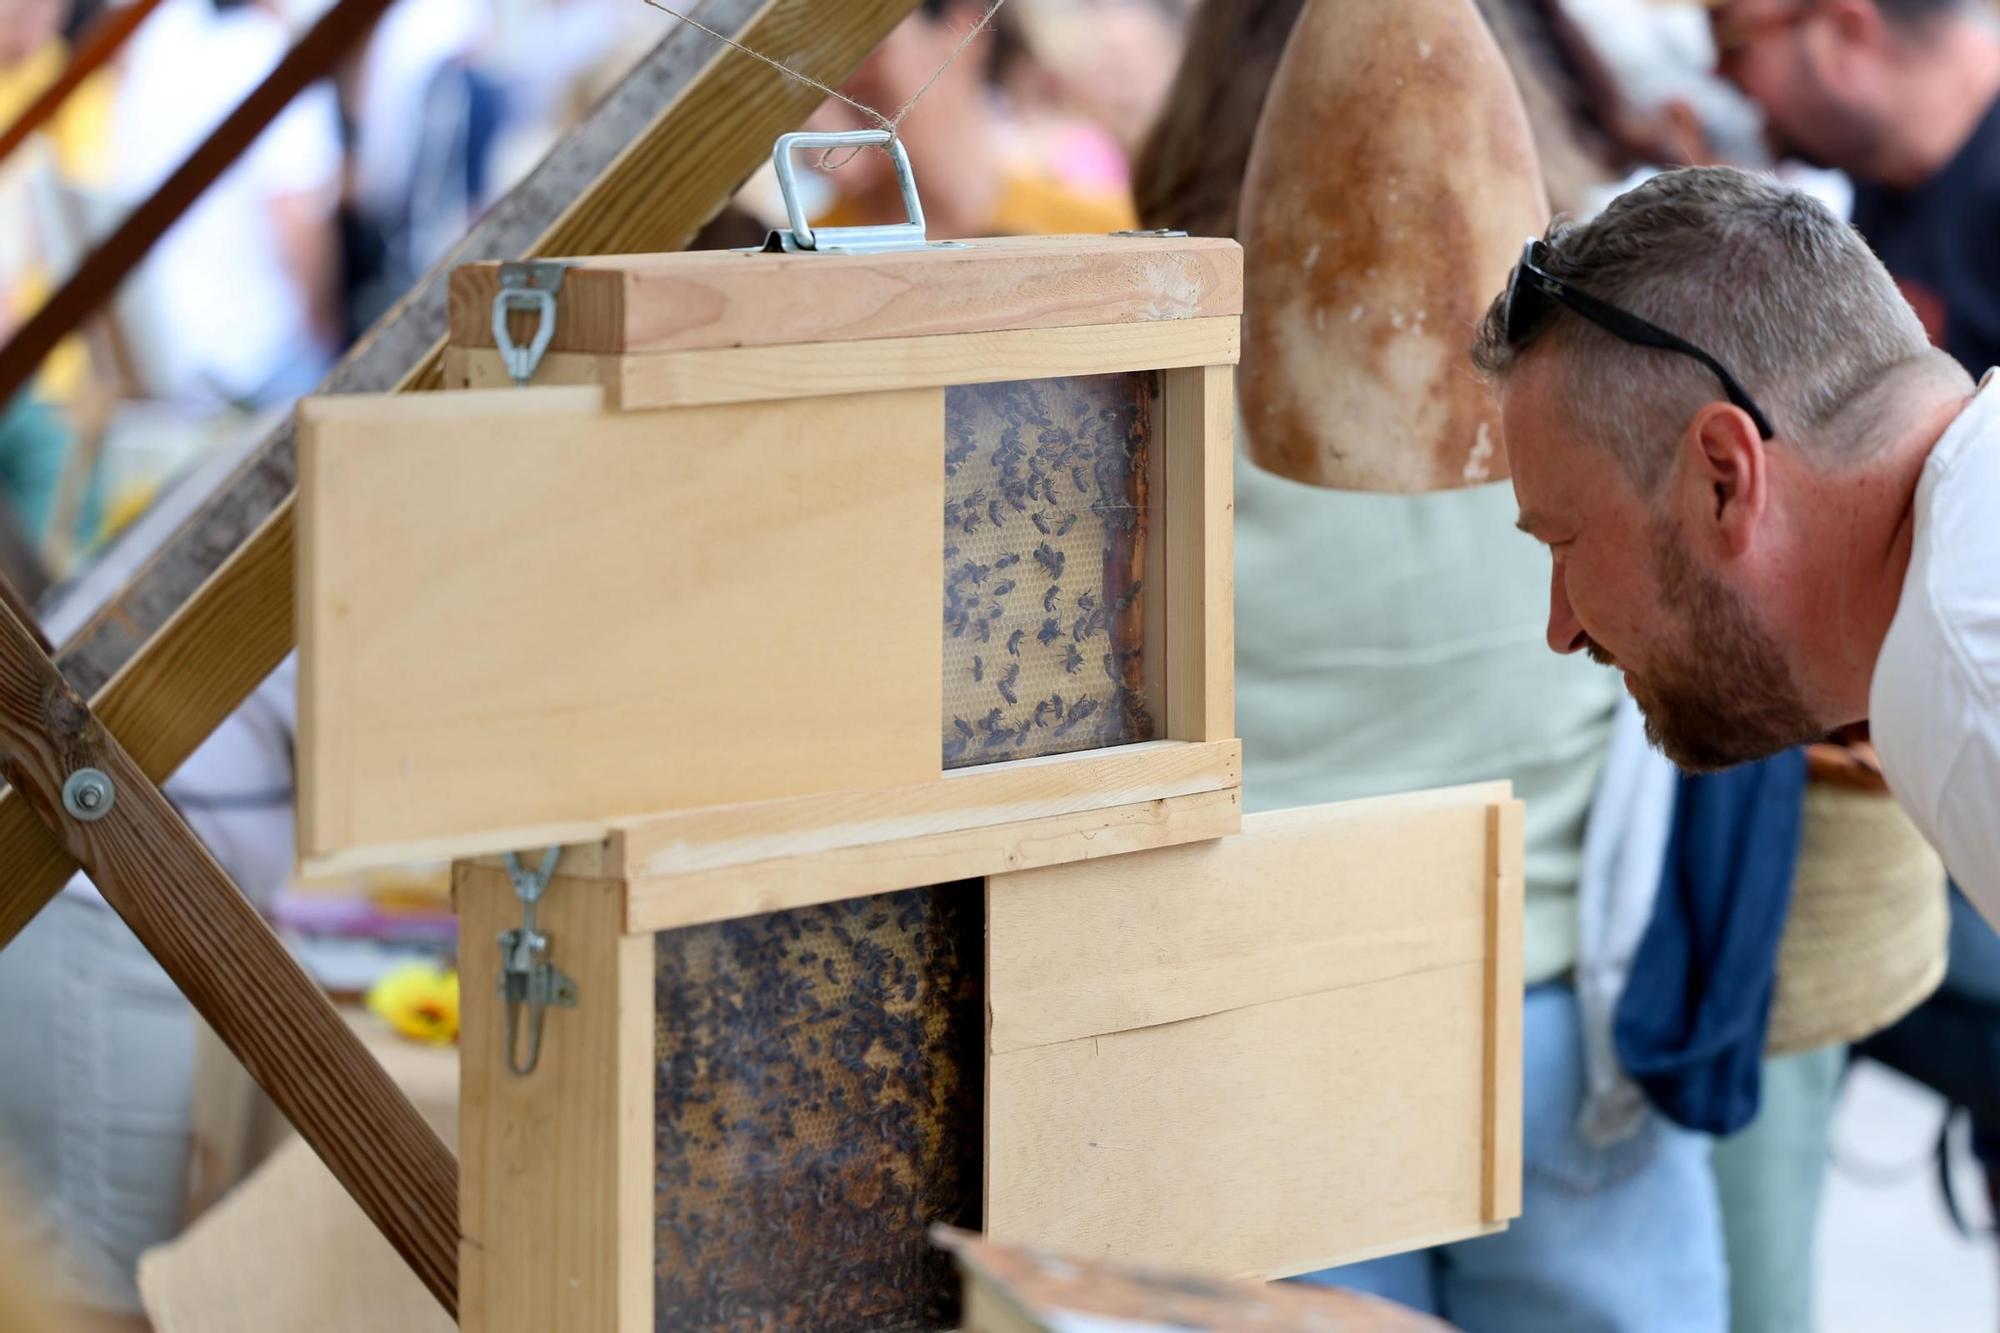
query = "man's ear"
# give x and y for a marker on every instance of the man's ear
(1723, 478)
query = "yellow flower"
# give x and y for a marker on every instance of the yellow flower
(420, 1001)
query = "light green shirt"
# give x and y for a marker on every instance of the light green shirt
(1390, 643)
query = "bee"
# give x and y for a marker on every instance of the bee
(1069, 521)
(1006, 683)
(1049, 632)
(1049, 558)
(978, 669)
(1086, 601)
(993, 512)
(1076, 475)
(1014, 642)
(1049, 599)
(1007, 561)
(1080, 710)
(1003, 587)
(1041, 523)
(1072, 659)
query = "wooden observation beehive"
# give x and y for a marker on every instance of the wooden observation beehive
(860, 625)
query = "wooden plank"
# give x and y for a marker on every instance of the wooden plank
(651, 163)
(220, 953)
(557, 1210)
(759, 585)
(670, 901)
(754, 374)
(963, 798)
(719, 861)
(1199, 431)
(1323, 898)
(1262, 1142)
(655, 303)
(1170, 1036)
(1507, 880)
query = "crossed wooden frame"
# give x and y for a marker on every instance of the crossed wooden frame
(194, 632)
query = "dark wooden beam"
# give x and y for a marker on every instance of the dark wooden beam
(155, 873)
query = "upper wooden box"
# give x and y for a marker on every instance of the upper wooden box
(870, 569)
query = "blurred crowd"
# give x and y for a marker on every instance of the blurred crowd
(1067, 116)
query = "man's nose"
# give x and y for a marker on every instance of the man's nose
(1565, 631)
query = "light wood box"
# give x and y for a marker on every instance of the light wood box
(694, 570)
(1251, 1057)
(832, 988)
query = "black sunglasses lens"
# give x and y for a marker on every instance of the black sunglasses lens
(1526, 304)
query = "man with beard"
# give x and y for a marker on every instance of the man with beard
(1771, 503)
(1904, 96)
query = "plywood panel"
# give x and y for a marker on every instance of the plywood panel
(641, 303)
(1261, 1142)
(519, 609)
(1266, 1054)
(1305, 900)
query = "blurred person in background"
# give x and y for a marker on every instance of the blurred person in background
(243, 291)
(1396, 642)
(1090, 81)
(973, 175)
(69, 153)
(421, 114)
(1904, 96)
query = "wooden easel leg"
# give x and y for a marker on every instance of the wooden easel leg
(156, 874)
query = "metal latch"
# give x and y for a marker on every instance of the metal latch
(526, 284)
(804, 238)
(527, 979)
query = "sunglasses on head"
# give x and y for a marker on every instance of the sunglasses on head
(1532, 289)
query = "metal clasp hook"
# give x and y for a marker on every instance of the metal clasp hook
(526, 285)
(527, 979)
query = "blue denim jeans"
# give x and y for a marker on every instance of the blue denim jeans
(1625, 1239)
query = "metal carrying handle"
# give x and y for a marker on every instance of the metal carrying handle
(853, 240)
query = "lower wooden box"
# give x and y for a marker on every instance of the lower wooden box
(1257, 1055)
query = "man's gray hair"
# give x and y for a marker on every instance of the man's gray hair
(1762, 277)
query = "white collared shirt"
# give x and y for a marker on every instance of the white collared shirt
(1934, 702)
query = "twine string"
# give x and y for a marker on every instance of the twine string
(893, 124)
